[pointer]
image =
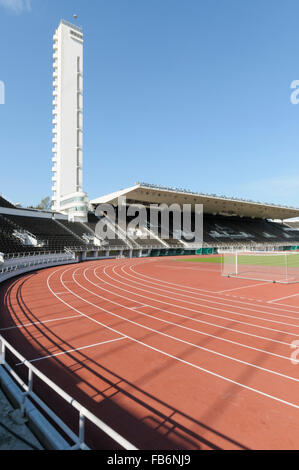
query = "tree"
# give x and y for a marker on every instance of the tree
(44, 205)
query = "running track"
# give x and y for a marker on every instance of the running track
(168, 353)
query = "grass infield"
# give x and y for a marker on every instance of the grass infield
(292, 259)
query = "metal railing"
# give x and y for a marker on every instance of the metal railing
(37, 262)
(30, 259)
(137, 248)
(84, 414)
(26, 254)
(28, 394)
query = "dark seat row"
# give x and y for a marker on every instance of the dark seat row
(5, 203)
(218, 230)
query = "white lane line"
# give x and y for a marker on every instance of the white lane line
(197, 320)
(281, 298)
(213, 302)
(210, 307)
(72, 350)
(180, 268)
(243, 287)
(189, 309)
(41, 322)
(179, 325)
(201, 296)
(287, 305)
(170, 336)
(198, 289)
(81, 314)
(201, 292)
(214, 374)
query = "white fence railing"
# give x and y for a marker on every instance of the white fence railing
(256, 248)
(83, 413)
(22, 264)
(31, 253)
(12, 265)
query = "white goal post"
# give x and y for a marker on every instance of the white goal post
(272, 266)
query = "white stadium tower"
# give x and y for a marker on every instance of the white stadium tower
(68, 196)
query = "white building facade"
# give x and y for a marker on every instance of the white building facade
(68, 196)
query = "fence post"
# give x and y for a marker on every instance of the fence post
(25, 394)
(30, 381)
(2, 352)
(81, 429)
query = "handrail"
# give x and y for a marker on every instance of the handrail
(84, 413)
(26, 254)
(36, 261)
(140, 247)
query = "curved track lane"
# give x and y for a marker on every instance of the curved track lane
(172, 356)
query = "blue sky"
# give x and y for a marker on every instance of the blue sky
(187, 93)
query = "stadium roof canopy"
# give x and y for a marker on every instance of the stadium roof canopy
(144, 193)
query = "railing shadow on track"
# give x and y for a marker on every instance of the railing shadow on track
(141, 398)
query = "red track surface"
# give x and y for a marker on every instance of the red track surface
(167, 353)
